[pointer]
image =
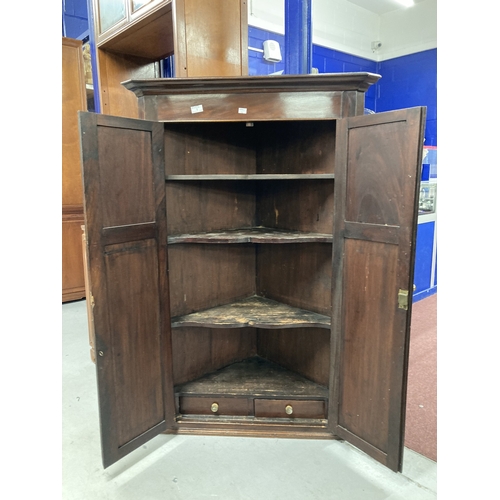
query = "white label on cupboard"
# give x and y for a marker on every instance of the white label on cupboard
(197, 109)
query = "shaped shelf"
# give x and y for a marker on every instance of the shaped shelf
(252, 235)
(253, 311)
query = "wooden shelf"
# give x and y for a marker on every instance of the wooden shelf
(253, 377)
(251, 235)
(253, 311)
(233, 177)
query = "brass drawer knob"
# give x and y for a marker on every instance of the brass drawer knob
(214, 407)
(288, 409)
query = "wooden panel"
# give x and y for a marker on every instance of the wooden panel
(73, 279)
(132, 278)
(304, 350)
(202, 207)
(204, 276)
(149, 34)
(209, 148)
(300, 147)
(225, 406)
(366, 358)
(215, 38)
(224, 107)
(133, 200)
(376, 183)
(128, 280)
(378, 198)
(114, 69)
(296, 205)
(198, 351)
(296, 274)
(73, 100)
(276, 408)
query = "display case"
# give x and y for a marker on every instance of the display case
(427, 198)
(133, 37)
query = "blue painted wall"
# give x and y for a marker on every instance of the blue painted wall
(75, 19)
(406, 81)
(411, 81)
(334, 61)
(256, 63)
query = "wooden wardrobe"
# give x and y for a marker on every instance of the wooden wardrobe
(251, 244)
(74, 99)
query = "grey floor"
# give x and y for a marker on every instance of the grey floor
(199, 467)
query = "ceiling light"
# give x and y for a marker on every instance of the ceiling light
(406, 3)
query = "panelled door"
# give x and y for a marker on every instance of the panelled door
(125, 214)
(377, 174)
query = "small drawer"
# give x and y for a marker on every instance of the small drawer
(214, 405)
(285, 408)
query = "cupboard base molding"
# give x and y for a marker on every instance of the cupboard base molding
(263, 430)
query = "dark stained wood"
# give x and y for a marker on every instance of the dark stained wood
(303, 350)
(276, 408)
(241, 150)
(305, 205)
(263, 177)
(205, 276)
(194, 149)
(377, 186)
(226, 406)
(251, 235)
(253, 311)
(254, 377)
(206, 207)
(198, 351)
(252, 427)
(296, 147)
(123, 174)
(372, 232)
(253, 98)
(342, 82)
(296, 274)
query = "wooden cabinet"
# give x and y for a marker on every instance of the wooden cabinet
(73, 100)
(133, 36)
(251, 246)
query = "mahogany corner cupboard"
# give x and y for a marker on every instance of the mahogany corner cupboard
(251, 244)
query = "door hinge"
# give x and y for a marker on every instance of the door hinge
(403, 299)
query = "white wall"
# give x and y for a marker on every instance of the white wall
(342, 25)
(404, 32)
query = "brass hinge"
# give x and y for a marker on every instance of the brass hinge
(403, 299)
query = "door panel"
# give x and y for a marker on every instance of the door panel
(376, 207)
(125, 216)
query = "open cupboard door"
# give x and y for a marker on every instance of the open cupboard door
(125, 212)
(377, 174)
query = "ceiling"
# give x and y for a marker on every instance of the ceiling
(380, 6)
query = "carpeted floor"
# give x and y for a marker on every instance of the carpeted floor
(421, 404)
